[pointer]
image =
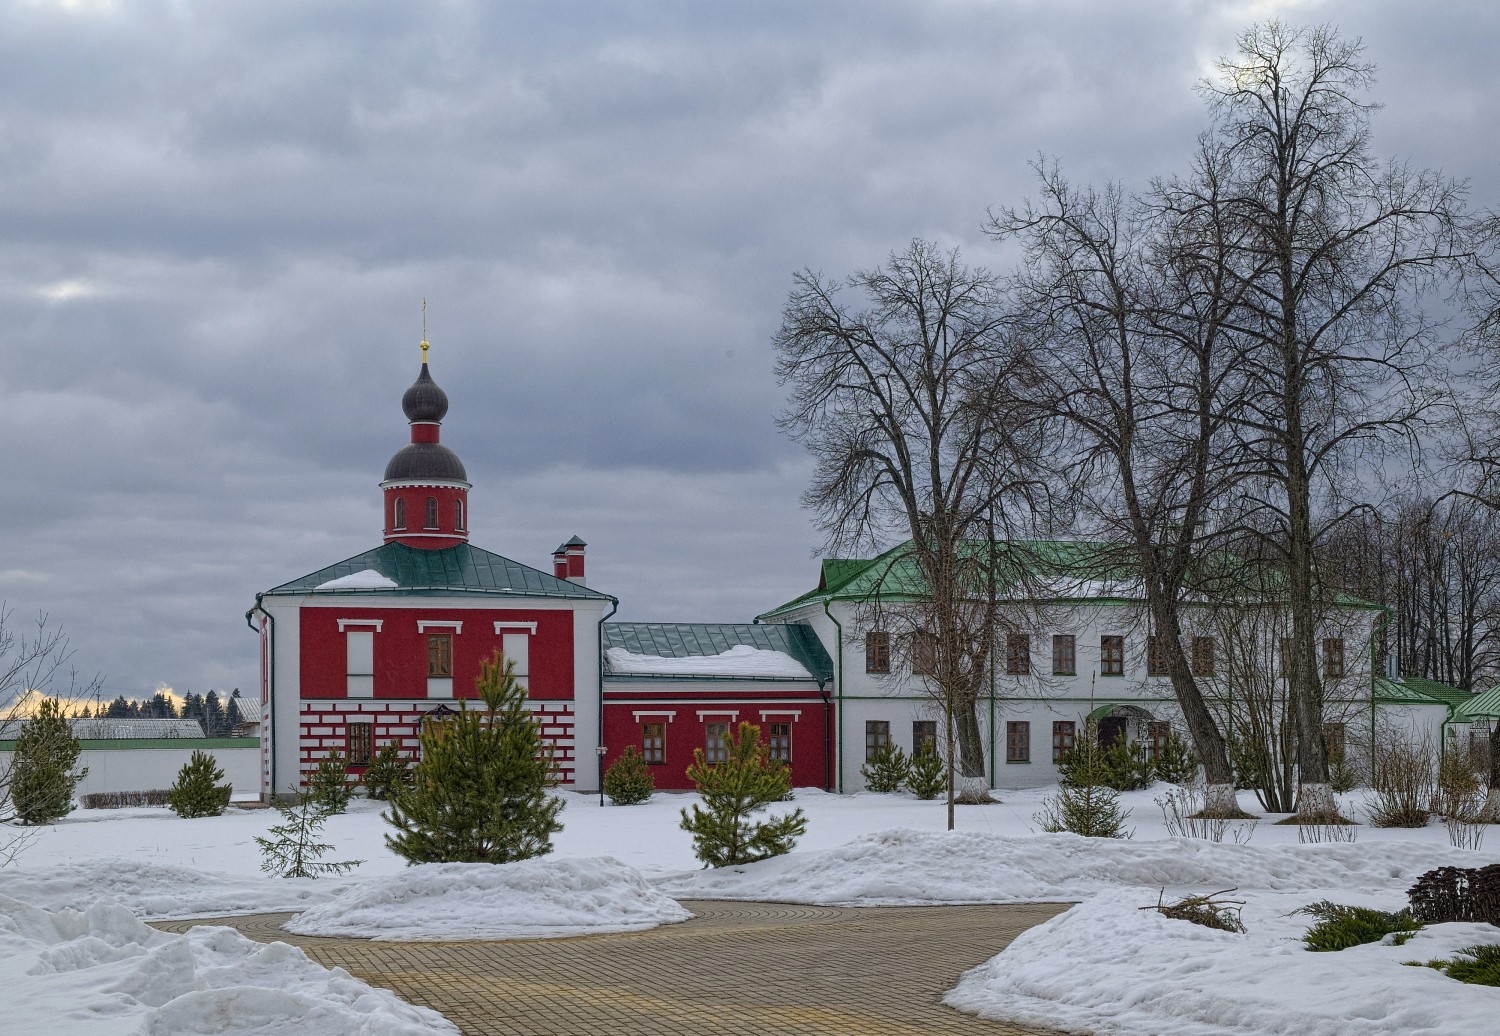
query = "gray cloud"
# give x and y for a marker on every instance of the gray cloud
(217, 222)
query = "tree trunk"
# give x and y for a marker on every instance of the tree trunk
(1204, 732)
(1490, 814)
(973, 784)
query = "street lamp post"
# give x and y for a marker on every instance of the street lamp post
(599, 751)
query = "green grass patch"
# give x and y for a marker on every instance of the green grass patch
(1340, 927)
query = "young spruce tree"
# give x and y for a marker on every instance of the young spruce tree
(329, 785)
(388, 772)
(479, 793)
(927, 774)
(627, 781)
(294, 850)
(745, 783)
(42, 777)
(198, 792)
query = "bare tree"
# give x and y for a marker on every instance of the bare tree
(1332, 253)
(1142, 368)
(32, 660)
(913, 408)
(1437, 564)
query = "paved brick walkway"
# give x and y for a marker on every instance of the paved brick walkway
(755, 968)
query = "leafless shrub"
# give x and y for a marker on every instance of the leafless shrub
(124, 799)
(1465, 832)
(1182, 811)
(1459, 790)
(1403, 783)
(1208, 910)
(1316, 834)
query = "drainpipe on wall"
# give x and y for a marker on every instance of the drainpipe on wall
(992, 721)
(1385, 619)
(614, 606)
(268, 723)
(839, 656)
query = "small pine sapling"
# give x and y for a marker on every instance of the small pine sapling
(1126, 767)
(733, 791)
(387, 773)
(886, 771)
(198, 792)
(1092, 810)
(927, 775)
(42, 777)
(330, 785)
(627, 781)
(480, 792)
(1175, 762)
(294, 851)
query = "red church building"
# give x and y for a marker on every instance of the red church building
(362, 652)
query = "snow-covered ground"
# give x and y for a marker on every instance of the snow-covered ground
(1105, 966)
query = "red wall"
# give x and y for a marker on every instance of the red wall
(415, 533)
(685, 732)
(401, 650)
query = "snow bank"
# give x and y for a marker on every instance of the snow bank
(1108, 965)
(366, 579)
(528, 899)
(740, 660)
(102, 971)
(904, 867)
(162, 890)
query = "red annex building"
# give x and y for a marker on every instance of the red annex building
(361, 652)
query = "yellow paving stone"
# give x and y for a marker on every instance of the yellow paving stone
(769, 969)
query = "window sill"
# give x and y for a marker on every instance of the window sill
(1017, 762)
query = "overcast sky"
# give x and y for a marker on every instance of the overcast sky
(217, 223)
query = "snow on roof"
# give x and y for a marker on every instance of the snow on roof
(740, 660)
(365, 579)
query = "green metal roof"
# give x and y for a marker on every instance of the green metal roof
(1055, 570)
(1479, 706)
(686, 640)
(894, 575)
(1411, 690)
(464, 569)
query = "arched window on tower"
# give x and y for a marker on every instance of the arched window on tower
(458, 515)
(432, 514)
(398, 514)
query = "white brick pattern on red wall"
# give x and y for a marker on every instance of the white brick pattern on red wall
(322, 725)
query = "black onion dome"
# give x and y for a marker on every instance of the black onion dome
(424, 401)
(422, 460)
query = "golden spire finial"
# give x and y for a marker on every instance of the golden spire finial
(425, 346)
